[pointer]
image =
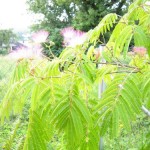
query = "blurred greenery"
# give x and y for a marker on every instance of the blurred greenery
(133, 140)
(7, 36)
(7, 66)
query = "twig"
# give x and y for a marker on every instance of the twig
(44, 77)
(123, 72)
(118, 64)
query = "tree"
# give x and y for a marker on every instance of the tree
(62, 93)
(6, 37)
(90, 12)
(55, 16)
(83, 15)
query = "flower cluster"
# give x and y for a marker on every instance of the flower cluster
(40, 36)
(72, 37)
(34, 49)
(23, 52)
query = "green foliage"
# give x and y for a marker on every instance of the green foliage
(62, 93)
(36, 134)
(105, 25)
(122, 98)
(126, 28)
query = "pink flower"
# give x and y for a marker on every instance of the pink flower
(139, 50)
(34, 49)
(40, 36)
(29, 52)
(73, 37)
(68, 32)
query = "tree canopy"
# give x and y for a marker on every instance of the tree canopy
(81, 14)
(55, 15)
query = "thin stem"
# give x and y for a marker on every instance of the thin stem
(119, 64)
(123, 72)
(45, 77)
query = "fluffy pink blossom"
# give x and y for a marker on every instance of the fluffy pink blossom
(22, 52)
(40, 36)
(139, 50)
(73, 37)
(34, 49)
(68, 32)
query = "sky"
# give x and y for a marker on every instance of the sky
(14, 14)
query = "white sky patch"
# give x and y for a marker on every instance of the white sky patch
(14, 14)
(148, 3)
